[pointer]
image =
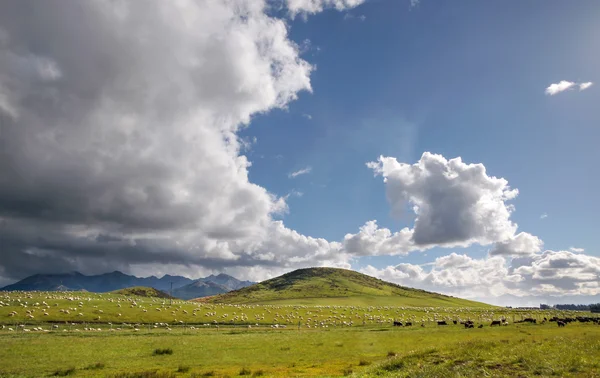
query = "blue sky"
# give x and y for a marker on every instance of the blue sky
(163, 138)
(461, 79)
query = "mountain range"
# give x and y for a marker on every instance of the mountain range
(184, 288)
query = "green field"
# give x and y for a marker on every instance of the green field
(522, 350)
(116, 335)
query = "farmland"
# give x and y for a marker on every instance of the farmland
(87, 334)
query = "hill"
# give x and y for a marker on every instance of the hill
(332, 286)
(142, 291)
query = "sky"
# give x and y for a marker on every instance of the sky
(449, 146)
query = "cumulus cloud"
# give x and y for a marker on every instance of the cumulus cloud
(300, 172)
(121, 147)
(316, 6)
(551, 273)
(576, 250)
(456, 204)
(544, 216)
(372, 241)
(564, 85)
(521, 244)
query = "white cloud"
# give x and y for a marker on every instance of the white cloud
(121, 172)
(372, 241)
(559, 87)
(414, 3)
(455, 204)
(300, 172)
(307, 116)
(544, 216)
(521, 244)
(564, 85)
(316, 6)
(349, 16)
(576, 250)
(554, 273)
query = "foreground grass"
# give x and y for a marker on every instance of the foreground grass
(572, 355)
(516, 350)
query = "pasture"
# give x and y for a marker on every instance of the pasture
(115, 337)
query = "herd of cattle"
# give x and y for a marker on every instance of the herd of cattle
(561, 322)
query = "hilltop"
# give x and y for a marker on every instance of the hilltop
(335, 287)
(142, 291)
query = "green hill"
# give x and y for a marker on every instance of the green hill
(142, 291)
(332, 286)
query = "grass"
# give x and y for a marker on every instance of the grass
(85, 309)
(370, 347)
(546, 350)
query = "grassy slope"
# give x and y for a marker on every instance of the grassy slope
(331, 286)
(525, 351)
(142, 291)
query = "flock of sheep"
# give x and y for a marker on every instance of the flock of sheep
(78, 312)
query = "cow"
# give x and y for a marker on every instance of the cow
(480, 326)
(455, 322)
(469, 325)
(442, 322)
(561, 323)
(495, 322)
(397, 324)
(408, 324)
(530, 320)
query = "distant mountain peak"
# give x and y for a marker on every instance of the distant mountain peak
(117, 280)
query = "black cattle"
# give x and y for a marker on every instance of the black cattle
(408, 324)
(561, 323)
(442, 322)
(469, 325)
(455, 322)
(495, 322)
(397, 324)
(530, 320)
(480, 326)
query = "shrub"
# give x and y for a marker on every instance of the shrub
(364, 363)
(391, 353)
(64, 372)
(183, 369)
(145, 374)
(96, 366)
(159, 352)
(245, 371)
(394, 365)
(258, 373)
(347, 371)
